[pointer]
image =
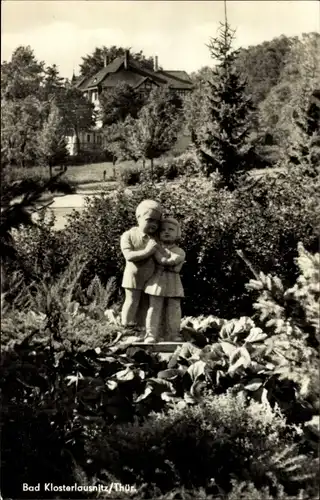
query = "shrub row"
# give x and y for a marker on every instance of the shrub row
(166, 169)
(264, 218)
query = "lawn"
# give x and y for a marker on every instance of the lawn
(77, 174)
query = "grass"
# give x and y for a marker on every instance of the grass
(90, 178)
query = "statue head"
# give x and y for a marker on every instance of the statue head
(170, 231)
(148, 214)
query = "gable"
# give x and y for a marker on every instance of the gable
(146, 82)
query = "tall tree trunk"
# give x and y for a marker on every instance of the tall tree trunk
(151, 164)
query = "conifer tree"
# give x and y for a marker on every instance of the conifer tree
(225, 147)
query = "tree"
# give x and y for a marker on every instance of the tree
(92, 63)
(51, 141)
(225, 146)
(20, 122)
(262, 65)
(76, 111)
(22, 76)
(53, 83)
(120, 102)
(290, 97)
(156, 128)
(196, 104)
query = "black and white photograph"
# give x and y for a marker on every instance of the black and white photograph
(160, 260)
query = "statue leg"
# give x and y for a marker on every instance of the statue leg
(153, 320)
(173, 320)
(130, 307)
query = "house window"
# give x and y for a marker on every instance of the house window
(88, 137)
(94, 95)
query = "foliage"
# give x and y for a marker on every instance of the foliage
(52, 84)
(287, 102)
(119, 102)
(204, 446)
(265, 219)
(165, 169)
(21, 122)
(92, 63)
(196, 108)
(19, 200)
(130, 176)
(51, 142)
(262, 65)
(29, 96)
(155, 130)
(76, 111)
(225, 145)
(224, 411)
(21, 77)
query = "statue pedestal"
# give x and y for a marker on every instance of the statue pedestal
(163, 349)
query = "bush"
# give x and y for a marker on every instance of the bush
(41, 252)
(204, 446)
(265, 219)
(186, 164)
(222, 420)
(130, 176)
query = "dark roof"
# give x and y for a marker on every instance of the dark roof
(126, 76)
(176, 83)
(146, 72)
(115, 73)
(98, 78)
(79, 81)
(143, 79)
(177, 74)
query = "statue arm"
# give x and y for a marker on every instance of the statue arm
(173, 259)
(129, 253)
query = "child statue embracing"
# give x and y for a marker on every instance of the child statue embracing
(153, 263)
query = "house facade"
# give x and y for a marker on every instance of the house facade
(123, 70)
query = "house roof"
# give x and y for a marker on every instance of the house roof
(79, 81)
(115, 73)
(144, 79)
(177, 74)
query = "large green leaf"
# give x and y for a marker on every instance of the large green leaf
(148, 390)
(228, 348)
(125, 375)
(241, 358)
(197, 369)
(170, 374)
(256, 335)
(254, 385)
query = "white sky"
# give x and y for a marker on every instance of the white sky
(62, 31)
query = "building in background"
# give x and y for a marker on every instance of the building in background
(123, 70)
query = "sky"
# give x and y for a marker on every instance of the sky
(61, 32)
